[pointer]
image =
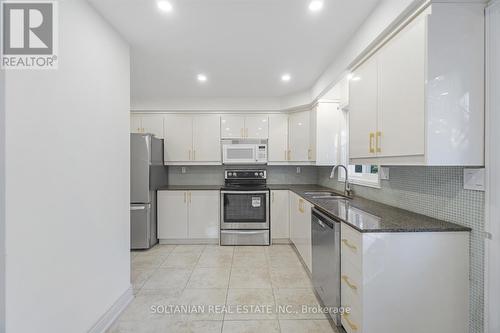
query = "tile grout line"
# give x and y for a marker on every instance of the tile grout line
(227, 290)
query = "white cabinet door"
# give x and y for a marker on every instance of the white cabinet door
(280, 220)
(305, 235)
(299, 136)
(172, 215)
(153, 124)
(401, 118)
(178, 138)
(203, 214)
(363, 110)
(278, 138)
(232, 126)
(294, 218)
(256, 127)
(328, 134)
(135, 124)
(206, 138)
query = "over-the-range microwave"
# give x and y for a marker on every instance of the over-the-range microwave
(244, 151)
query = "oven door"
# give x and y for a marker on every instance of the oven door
(247, 210)
(238, 154)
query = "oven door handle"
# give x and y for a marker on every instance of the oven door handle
(245, 232)
(248, 192)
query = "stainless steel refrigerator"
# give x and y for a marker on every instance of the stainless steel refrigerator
(147, 174)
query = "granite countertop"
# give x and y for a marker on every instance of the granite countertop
(362, 214)
(190, 188)
(370, 216)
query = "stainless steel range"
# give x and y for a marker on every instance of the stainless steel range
(245, 213)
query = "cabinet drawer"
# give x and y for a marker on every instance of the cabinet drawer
(351, 285)
(351, 246)
(352, 322)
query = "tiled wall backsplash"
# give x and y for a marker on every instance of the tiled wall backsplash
(214, 175)
(437, 192)
(433, 191)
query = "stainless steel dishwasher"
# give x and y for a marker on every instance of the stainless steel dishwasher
(326, 261)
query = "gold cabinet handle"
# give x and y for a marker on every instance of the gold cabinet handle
(346, 280)
(286, 155)
(289, 155)
(349, 245)
(194, 155)
(190, 197)
(185, 194)
(309, 154)
(301, 206)
(272, 197)
(241, 133)
(372, 136)
(190, 154)
(378, 139)
(246, 132)
(352, 325)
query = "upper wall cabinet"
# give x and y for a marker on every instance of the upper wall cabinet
(278, 138)
(244, 127)
(419, 99)
(192, 139)
(147, 124)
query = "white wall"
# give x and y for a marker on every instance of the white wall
(492, 274)
(67, 180)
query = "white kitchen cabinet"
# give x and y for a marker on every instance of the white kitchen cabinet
(244, 127)
(188, 215)
(363, 110)
(172, 214)
(232, 126)
(147, 123)
(300, 228)
(280, 219)
(257, 127)
(206, 138)
(326, 132)
(192, 139)
(405, 271)
(203, 221)
(178, 138)
(419, 99)
(299, 140)
(278, 138)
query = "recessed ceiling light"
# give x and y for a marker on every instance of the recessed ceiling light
(202, 78)
(165, 6)
(286, 77)
(315, 5)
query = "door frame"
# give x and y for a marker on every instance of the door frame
(492, 161)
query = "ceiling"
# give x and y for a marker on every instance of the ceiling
(242, 46)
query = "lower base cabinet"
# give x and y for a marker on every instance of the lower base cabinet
(280, 219)
(300, 228)
(188, 215)
(405, 281)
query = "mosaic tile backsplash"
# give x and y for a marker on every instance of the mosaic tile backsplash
(437, 192)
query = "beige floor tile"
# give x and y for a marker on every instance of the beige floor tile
(140, 307)
(250, 277)
(216, 256)
(147, 260)
(250, 304)
(289, 277)
(205, 301)
(181, 260)
(306, 326)
(138, 276)
(249, 259)
(211, 277)
(163, 250)
(189, 249)
(249, 249)
(302, 304)
(251, 326)
(168, 278)
(167, 326)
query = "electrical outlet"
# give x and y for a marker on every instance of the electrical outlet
(299, 170)
(384, 173)
(183, 170)
(474, 179)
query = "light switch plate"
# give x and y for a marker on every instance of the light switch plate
(299, 170)
(183, 170)
(474, 179)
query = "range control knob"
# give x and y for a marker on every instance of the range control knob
(262, 174)
(229, 174)
(256, 174)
